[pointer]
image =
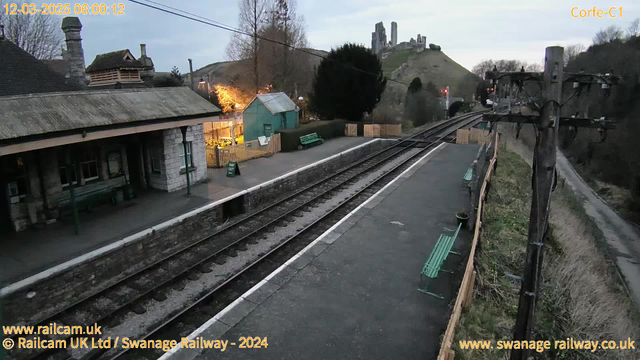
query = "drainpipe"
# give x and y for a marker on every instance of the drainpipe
(186, 158)
(72, 194)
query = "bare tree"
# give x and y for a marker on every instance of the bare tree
(610, 34)
(38, 34)
(482, 67)
(286, 66)
(242, 47)
(571, 52)
(634, 28)
(534, 67)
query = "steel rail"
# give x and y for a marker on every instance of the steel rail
(181, 312)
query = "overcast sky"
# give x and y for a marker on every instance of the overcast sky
(468, 30)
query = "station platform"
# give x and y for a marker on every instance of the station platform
(352, 293)
(32, 251)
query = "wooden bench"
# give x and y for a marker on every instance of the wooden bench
(433, 266)
(85, 199)
(310, 139)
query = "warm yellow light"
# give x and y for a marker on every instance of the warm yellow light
(232, 98)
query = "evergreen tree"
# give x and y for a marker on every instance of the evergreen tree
(348, 83)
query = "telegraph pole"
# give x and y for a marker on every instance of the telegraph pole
(544, 165)
(546, 120)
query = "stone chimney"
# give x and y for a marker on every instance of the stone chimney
(74, 55)
(149, 70)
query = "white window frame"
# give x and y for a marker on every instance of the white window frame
(62, 168)
(88, 162)
(189, 155)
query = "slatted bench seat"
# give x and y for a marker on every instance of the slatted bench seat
(468, 175)
(85, 199)
(466, 179)
(310, 139)
(433, 266)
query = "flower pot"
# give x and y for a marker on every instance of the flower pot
(463, 218)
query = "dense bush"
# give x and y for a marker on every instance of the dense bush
(326, 129)
(421, 104)
(617, 159)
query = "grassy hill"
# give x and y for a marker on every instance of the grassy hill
(235, 72)
(434, 66)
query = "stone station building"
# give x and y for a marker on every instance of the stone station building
(106, 144)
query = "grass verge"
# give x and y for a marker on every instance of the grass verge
(579, 296)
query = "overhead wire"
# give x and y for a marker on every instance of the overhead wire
(203, 20)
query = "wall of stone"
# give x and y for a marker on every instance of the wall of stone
(172, 140)
(79, 281)
(45, 207)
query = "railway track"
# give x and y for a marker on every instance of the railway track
(153, 285)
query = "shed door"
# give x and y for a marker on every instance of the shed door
(268, 129)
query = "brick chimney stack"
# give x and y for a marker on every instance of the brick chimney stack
(74, 55)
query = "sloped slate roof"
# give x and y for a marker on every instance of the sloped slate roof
(21, 73)
(113, 60)
(56, 112)
(276, 103)
(61, 66)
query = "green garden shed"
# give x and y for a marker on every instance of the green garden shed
(267, 113)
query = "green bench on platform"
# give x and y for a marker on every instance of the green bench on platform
(466, 179)
(85, 199)
(310, 139)
(468, 175)
(433, 266)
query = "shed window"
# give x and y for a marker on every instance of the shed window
(189, 157)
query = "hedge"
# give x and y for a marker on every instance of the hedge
(326, 129)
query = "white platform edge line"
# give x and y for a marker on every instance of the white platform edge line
(11, 288)
(257, 286)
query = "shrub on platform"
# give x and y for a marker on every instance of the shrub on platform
(290, 138)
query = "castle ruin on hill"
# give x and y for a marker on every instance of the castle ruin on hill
(380, 46)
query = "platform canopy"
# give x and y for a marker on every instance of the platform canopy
(92, 114)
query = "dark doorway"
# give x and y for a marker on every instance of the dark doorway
(233, 207)
(134, 163)
(6, 226)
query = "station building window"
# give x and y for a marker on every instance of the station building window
(155, 154)
(84, 166)
(189, 157)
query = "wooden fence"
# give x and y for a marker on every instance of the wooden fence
(473, 136)
(378, 130)
(465, 294)
(220, 157)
